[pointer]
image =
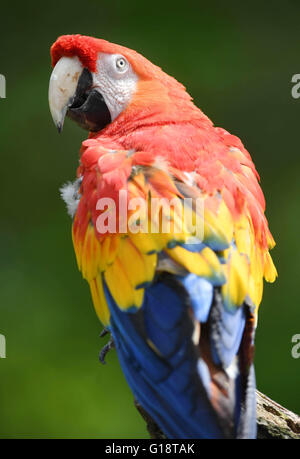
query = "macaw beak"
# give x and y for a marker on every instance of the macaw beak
(71, 94)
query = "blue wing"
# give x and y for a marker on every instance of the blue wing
(192, 386)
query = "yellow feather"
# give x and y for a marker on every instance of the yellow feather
(109, 250)
(77, 243)
(144, 242)
(218, 226)
(243, 235)
(205, 263)
(139, 269)
(99, 300)
(256, 276)
(86, 253)
(270, 272)
(150, 263)
(270, 241)
(236, 287)
(120, 287)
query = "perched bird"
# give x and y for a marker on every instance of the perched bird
(180, 303)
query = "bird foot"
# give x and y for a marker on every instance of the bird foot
(110, 345)
(104, 332)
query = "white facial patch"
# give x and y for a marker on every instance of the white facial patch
(116, 81)
(70, 194)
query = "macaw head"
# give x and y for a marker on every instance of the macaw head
(96, 83)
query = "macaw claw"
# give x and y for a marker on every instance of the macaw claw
(104, 332)
(104, 351)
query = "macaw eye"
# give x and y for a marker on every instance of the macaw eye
(121, 64)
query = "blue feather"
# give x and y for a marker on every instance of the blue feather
(169, 389)
(227, 331)
(200, 294)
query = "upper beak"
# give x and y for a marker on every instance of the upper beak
(71, 92)
(62, 88)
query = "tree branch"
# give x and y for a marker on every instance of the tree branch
(273, 421)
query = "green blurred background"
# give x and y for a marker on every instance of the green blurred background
(237, 62)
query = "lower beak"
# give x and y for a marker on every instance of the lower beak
(71, 93)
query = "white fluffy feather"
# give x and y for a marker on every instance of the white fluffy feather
(70, 194)
(161, 163)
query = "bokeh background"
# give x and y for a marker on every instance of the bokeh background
(237, 62)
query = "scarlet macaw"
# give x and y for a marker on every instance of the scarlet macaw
(181, 309)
